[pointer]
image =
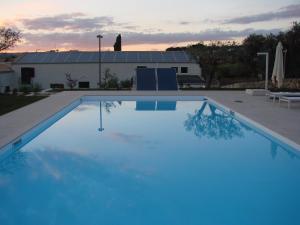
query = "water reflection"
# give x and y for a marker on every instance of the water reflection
(145, 105)
(166, 106)
(101, 129)
(108, 106)
(207, 122)
(156, 105)
(274, 149)
(210, 122)
(14, 162)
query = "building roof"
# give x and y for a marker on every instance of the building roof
(9, 57)
(4, 68)
(106, 57)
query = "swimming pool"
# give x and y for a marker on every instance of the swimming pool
(145, 161)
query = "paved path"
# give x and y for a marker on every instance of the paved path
(281, 120)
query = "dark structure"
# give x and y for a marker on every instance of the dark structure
(118, 44)
(166, 79)
(145, 79)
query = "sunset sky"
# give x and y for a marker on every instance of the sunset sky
(144, 25)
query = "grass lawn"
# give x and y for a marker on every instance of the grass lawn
(9, 103)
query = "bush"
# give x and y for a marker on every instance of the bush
(233, 70)
(26, 88)
(126, 84)
(15, 91)
(36, 87)
(112, 82)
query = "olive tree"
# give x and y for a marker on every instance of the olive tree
(8, 38)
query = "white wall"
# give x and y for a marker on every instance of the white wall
(7, 79)
(45, 74)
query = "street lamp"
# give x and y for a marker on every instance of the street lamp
(267, 67)
(99, 37)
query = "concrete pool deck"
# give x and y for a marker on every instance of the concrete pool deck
(279, 119)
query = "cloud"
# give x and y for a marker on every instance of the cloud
(67, 22)
(291, 11)
(206, 35)
(87, 40)
(78, 31)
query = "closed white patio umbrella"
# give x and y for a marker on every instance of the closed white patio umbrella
(278, 71)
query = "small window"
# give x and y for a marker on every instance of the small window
(176, 69)
(57, 86)
(84, 84)
(184, 69)
(27, 74)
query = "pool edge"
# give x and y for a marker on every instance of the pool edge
(39, 127)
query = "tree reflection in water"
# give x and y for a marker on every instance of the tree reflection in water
(109, 105)
(213, 124)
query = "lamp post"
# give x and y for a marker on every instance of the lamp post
(266, 54)
(99, 37)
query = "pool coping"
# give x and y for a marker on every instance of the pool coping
(37, 129)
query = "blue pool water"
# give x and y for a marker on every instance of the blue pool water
(150, 163)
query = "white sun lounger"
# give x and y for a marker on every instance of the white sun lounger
(289, 100)
(275, 95)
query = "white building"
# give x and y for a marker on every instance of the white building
(8, 79)
(48, 69)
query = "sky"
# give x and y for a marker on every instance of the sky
(144, 24)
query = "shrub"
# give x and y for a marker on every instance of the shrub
(233, 70)
(110, 80)
(71, 83)
(113, 82)
(36, 87)
(15, 91)
(126, 84)
(26, 88)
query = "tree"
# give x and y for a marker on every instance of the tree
(118, 44)
(209, 57)
(8, 38)
(291, 41)
(110, 80)
(71, 83)
(229, 62)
